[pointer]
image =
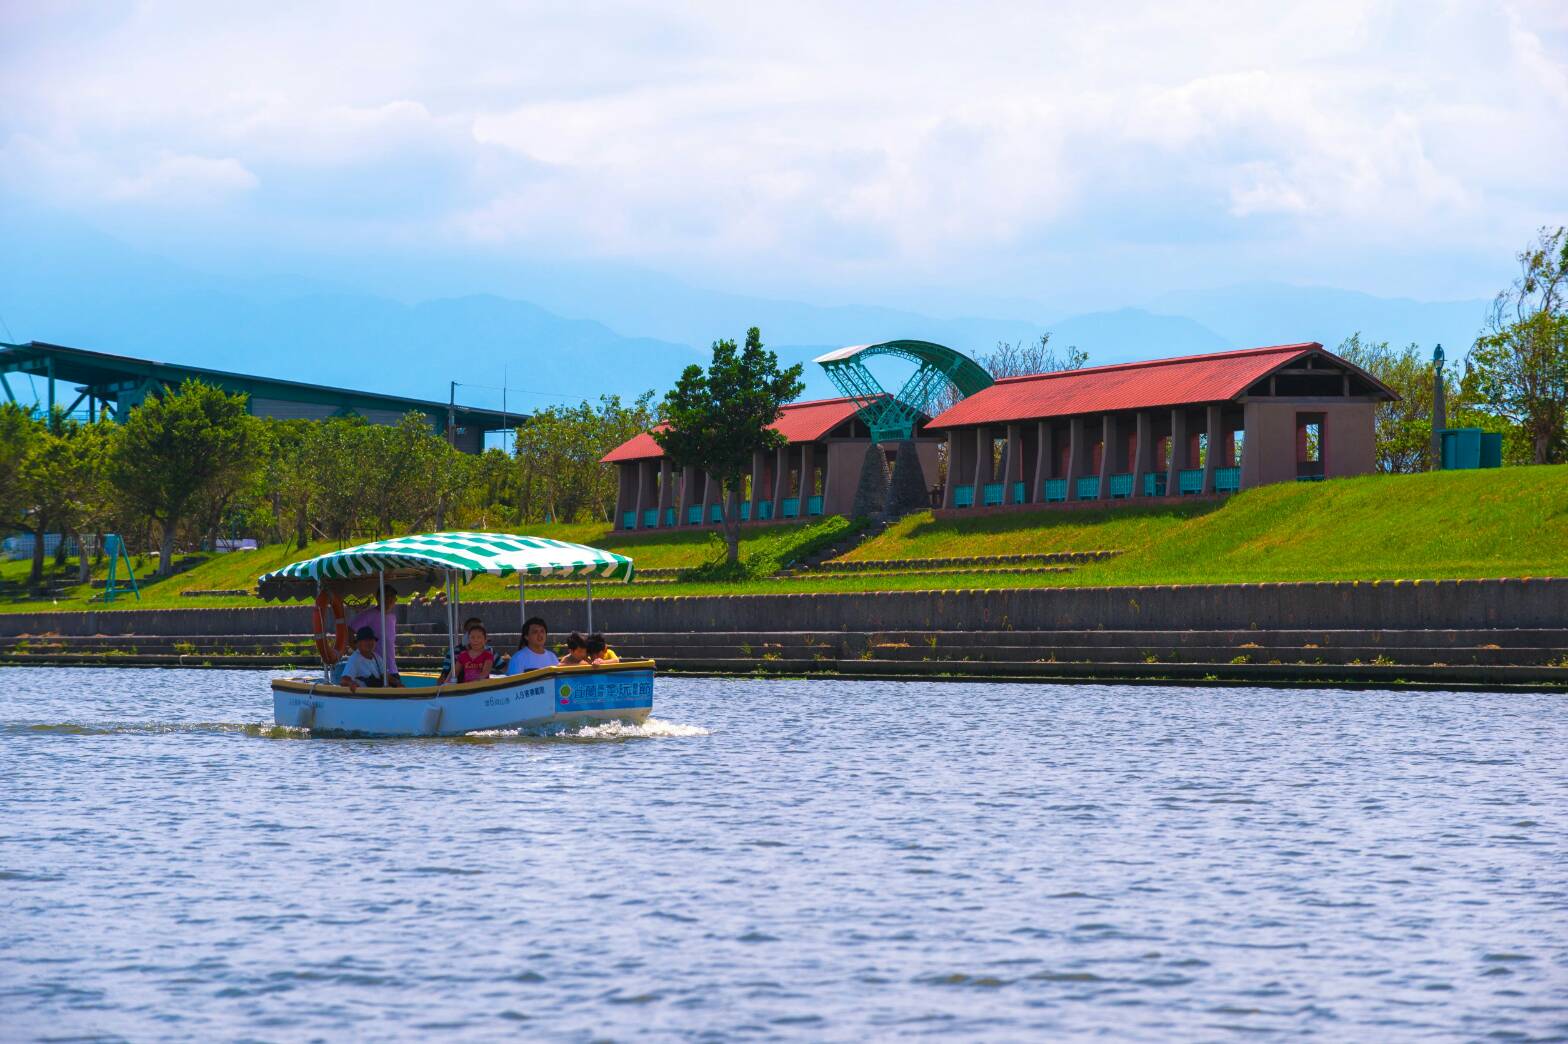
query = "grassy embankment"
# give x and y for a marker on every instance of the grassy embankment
(1453, 525)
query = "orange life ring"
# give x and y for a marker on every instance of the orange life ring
(330, 644)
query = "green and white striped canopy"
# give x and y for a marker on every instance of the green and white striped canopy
(467, 554)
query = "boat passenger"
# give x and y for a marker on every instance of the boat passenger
(362, 667)
(576, 650)
(599, 650)
(532, 654)
(471, 622)
(383, 621)
(475, 662)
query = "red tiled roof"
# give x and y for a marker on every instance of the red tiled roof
(1186, 380)
(799, 421)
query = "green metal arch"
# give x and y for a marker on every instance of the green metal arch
(893, 417)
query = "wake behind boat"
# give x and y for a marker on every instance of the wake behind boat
(561, 695)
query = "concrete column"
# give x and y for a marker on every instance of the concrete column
(1015, 466)
(1143, 451)
(1178, 452)
(710, 496)
(625, 494)
(688, 487)
(780, 481)
(1075, 455)
(642, 489)
(1212, 428)
(1107, 454)
(828, 471)
(808, 469)
(1042, 459)
(759, 480)
(666, 488)
(952, 469)
(1249, 477)
(982, 463)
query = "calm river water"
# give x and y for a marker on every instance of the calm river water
(769, 859)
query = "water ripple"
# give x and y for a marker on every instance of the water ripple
(777, 859)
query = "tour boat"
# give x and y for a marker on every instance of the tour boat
(618, 691)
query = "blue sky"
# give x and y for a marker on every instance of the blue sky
(998, 159)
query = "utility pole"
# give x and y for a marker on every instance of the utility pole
(1439, 411)
(451, 415)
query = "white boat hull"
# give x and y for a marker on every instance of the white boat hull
(555, 695)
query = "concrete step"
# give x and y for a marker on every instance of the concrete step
(886, 565)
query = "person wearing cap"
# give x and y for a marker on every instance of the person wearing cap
(382, 622)
(362, 667)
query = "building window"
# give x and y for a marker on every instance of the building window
(1310, 447)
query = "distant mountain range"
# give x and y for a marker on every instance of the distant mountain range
(66, 283)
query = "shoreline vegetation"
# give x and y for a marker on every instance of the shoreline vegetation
(1510, 522)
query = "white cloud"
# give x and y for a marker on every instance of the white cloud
(185, 179)
(993, 143)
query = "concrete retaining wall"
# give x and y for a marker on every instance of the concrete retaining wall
(1404, 604)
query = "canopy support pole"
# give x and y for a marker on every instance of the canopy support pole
(381, 606)
(522, 609)
(326, 668)
(590, 605)
(451, 621)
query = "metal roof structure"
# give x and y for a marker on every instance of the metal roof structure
(798, 422)
(895, 417)
(97, 379)
(1184, 381)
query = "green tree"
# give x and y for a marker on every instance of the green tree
(20, 431)
(1519, 364)
(177, 446)
(559, 451)
(718, 419)
(1402, 431)
(332, 454)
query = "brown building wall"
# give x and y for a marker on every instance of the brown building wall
(1269, 453)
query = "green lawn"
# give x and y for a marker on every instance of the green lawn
(1456, 524)
(1448, 525)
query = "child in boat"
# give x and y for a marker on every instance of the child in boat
(532, 654)
(475, 662)
(471, 622)
(576, 650)
(599, 650)
(362, 667)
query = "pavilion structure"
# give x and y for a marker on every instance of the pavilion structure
(1199, 425)
(815, 473)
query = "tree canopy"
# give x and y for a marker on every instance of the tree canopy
(718, 419)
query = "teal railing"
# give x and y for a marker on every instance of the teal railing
(813, 505)
(1227, 480)
(650, 518)
(1309, 478)
(694, 515)
(1190, 480)
(764, 510)
(1089, 488)
(1154, 483)
(1121, 485)
(964, 496)
(1020, 492)
(791, 508)
(991, 493)
(669, 516)
(629, 520)
(717, 514)
(1055, 491)
(745, 511)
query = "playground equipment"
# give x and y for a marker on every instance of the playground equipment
(114, 547)
(892, 418)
